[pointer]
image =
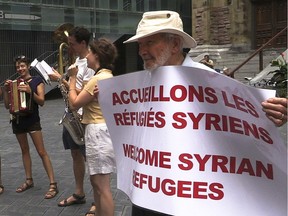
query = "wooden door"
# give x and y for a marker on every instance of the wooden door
(271, 18)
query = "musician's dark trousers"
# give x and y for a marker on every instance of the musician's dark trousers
(138, 211)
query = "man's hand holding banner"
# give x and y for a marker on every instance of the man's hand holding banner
(193, 142)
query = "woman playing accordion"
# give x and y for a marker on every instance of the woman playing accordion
(22, 97)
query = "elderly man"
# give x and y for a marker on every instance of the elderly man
(161, 41)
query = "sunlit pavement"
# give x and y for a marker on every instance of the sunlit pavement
(32, 202)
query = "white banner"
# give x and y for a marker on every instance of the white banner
(194, 142)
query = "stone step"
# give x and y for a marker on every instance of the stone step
(227, 57)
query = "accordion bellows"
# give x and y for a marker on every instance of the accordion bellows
(20, 102)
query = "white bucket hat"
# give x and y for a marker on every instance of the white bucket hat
(154, 22)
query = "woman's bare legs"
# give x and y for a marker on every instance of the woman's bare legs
(1, 185)
(27, 163)
(102, 194)
(37, 139)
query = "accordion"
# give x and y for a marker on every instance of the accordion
(20, 102)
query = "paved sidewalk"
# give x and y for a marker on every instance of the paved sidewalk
(32, 202)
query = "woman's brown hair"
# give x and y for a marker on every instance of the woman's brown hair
(106, 51)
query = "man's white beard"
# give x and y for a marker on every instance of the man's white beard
(160, 60)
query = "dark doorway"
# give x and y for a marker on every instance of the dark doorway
(271, 18)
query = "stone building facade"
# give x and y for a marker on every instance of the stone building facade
(240, 24)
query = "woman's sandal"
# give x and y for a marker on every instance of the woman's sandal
(92, 210)
(25, 186)
(1, 189)
(53, 191)
(78, 200)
